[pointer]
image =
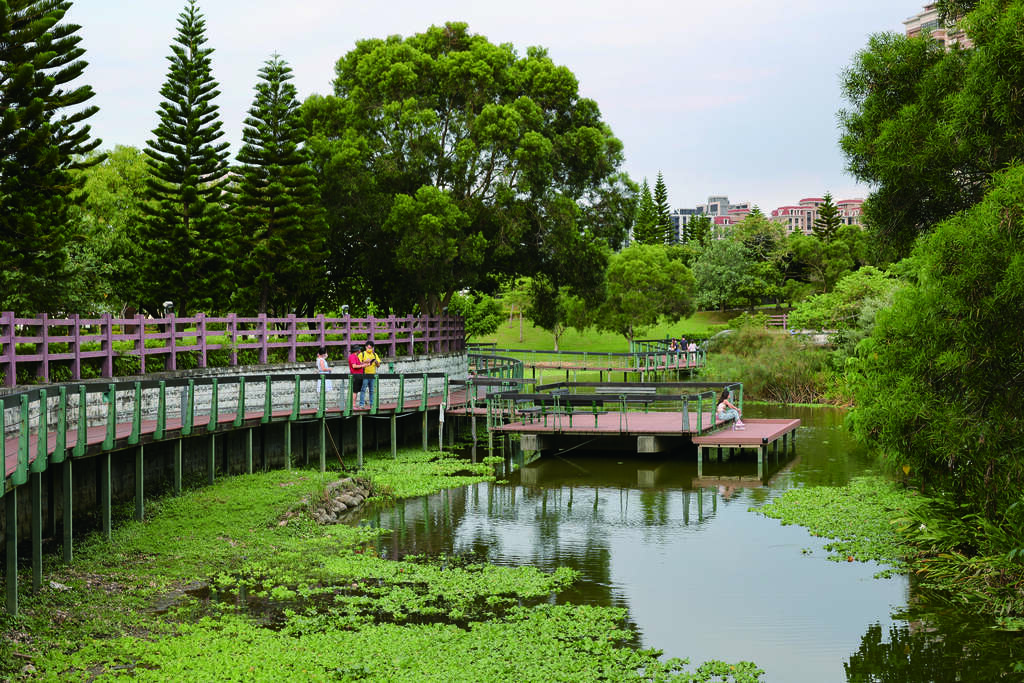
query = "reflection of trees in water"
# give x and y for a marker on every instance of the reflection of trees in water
(966, 651)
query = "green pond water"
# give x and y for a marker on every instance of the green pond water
(701, 574)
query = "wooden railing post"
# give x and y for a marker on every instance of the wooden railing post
(201, 335)
(263, 338)
(107, 344)
(44, 343)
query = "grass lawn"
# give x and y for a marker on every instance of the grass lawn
(700, 325)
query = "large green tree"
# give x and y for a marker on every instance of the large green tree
(42, 139)
(186, 237)
(928, 127)
(281, 245)
(643, 285)
(723, 274)
(472, 142)
(940, 384)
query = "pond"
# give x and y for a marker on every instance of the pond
(702, 575)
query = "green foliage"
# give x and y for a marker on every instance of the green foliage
(642, 287)
(930, 127)
(108, 213)
(699, 230)
(828, 220)
(504, 168)
(938, 383)
(722, 274)
(557, 310)
(662, 211)
(772, 365)
(481, 314)
(185, 237)
(849, 310)
(858, 517)
(645, 223)
(434, 249)
(279, 252)
(41, 142)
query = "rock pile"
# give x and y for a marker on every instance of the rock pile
(338, 499)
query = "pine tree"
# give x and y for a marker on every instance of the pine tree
(645, 225)
(699, 229)
(828, 220)
(282, 232)
(663, 213)
(185, 236)
(41, 142)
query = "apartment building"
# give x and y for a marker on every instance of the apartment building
(800, 217)
(928, 21)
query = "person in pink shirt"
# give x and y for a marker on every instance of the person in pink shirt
(355, 367)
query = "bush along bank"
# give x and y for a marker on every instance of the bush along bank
(213, 586)
(773, 366)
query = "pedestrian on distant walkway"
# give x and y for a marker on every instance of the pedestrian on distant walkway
(355, 369)
(322, 368)
(727, 411)
(370, 361)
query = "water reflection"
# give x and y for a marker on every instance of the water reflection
(701, 575)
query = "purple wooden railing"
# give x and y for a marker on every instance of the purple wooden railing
(94, 338)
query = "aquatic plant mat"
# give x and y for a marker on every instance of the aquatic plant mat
(236, 581)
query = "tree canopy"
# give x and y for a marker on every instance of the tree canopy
(940, 384)
(42, 139)
(279, 252)
(929, 126)
(185, 238)
(457, 145)
(643, 285)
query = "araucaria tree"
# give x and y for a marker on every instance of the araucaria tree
(662, 212)
(41, 141)
(645, 222)
(186, 235)
(828, 220)
(447, 162)
(280, 259)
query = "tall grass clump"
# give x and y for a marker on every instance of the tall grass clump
(772, 365)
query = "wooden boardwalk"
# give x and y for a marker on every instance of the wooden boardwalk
(225, 420)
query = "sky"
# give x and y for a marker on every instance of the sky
(724, 97)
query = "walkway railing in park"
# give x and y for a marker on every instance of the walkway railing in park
(66, 349)
(592, 399)
(643, 359)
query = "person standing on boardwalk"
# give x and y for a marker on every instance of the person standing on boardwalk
(322, 368)
(727, 411)
(370, 361)
(355, 369)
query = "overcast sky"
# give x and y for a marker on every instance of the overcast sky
(723, 96)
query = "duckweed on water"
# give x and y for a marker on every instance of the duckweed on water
(858, 518)
(328, 607)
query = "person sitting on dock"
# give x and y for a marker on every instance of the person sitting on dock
(727, 411)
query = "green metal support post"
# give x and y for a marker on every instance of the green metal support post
(211, 463)
(36, 485)
(288, 445)
(394, 435)
(177, 467)
(323, 444)
(248, 451)
(104, 468)
(68, 509)
(11, 527)
(359, 441)
(140, 484)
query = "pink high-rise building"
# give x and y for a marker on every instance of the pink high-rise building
(928, 20)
